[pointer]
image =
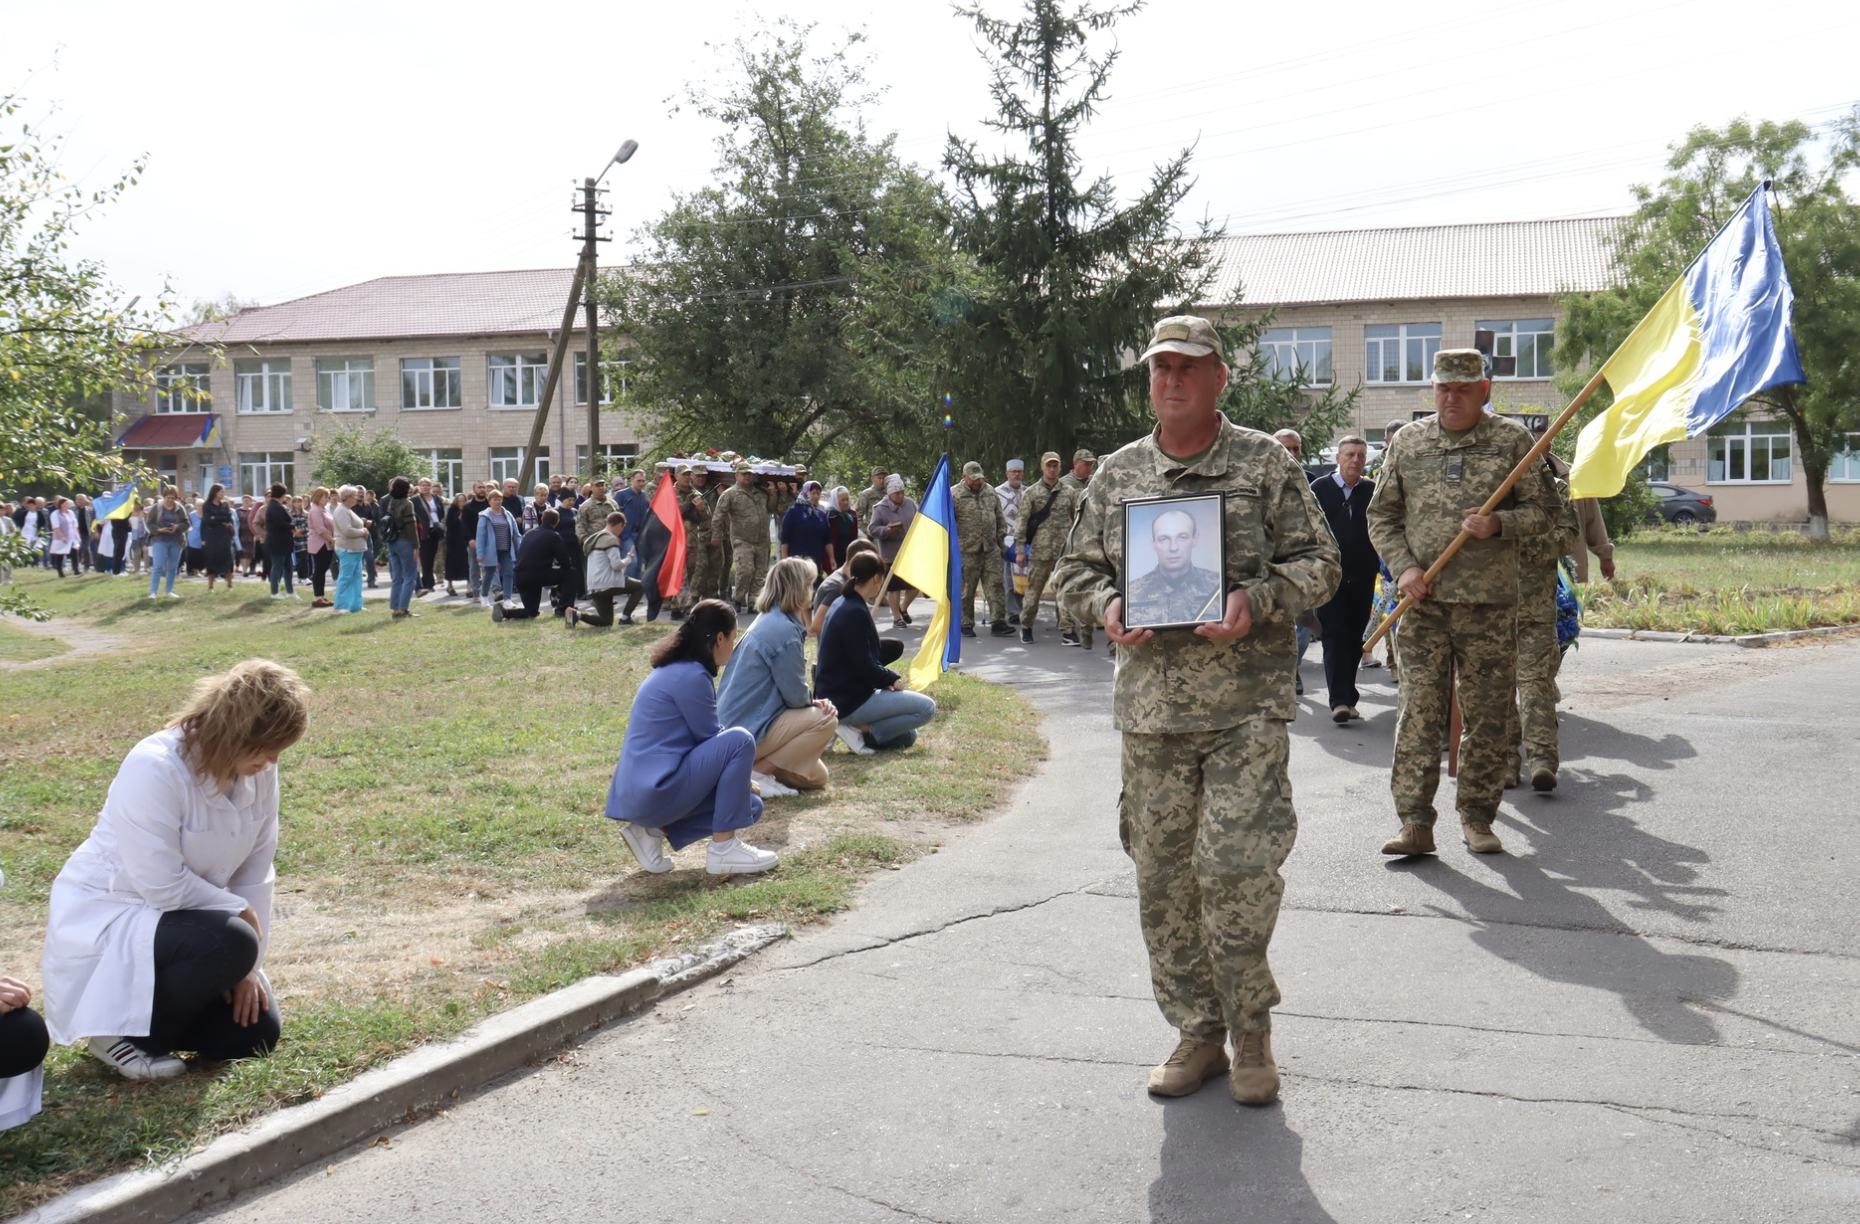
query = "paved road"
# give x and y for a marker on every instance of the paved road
(1644, 1012)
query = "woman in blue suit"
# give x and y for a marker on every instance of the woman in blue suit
(681, 775)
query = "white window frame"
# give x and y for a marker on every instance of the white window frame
(1425, 335)
(1505, 336)
(1736, 446)
(259, 470)
(507, 464)
(354, 376)
(1845, 467)
(445, 466)
(514, 381)
(262, 386)
(173, 384)
(1304, 351)
(442, 386)
(613, 373)
(618, 457)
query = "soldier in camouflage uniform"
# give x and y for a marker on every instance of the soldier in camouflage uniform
(1532, 720)
(870, 496)
(1047, 509)
(980, 529)
(696, 515)
(1206, 811)
(718, 568)
(742, 521)
(1435, 477)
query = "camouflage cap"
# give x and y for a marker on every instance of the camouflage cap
(1190, 335)
(741, 465)
(1083, 456)
(1049, 457)
(1459, 366)
(683, 469)
(971, 468)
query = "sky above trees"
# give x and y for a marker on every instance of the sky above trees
(297, 148)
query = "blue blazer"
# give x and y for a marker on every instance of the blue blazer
(766, 674)
(487, 538)
(674, 711)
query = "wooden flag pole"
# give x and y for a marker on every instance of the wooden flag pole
(1491, 503)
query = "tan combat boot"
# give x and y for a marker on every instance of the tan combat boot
(1185, 1071)
(1543, 776)
(1413, 839)
(1255, 1077)
(1479, 837)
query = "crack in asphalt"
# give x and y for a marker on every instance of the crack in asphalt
(934, 930)
(816, 1180)
(1656, 1041)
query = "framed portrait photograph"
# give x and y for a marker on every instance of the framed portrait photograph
(1175, 556)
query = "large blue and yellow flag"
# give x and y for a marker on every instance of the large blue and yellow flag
(930, 560)
(1718, 336)
(117, 505)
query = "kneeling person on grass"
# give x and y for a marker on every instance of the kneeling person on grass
(877, 711)
(764, 689)
(607, 574)
(158, 920)
(682, 775)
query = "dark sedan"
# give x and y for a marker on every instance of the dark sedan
(1681, 507)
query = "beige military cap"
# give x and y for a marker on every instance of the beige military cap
(683, 469)
(1083, 456)
(741, 465)
(1049, 457)
(971, 468)
(1190, 335)
(1459, 366)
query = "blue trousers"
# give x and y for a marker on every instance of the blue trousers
(503, 570)
(349, 582)
(404, 568)
(165, 558)
(891, 718)
(711, 794)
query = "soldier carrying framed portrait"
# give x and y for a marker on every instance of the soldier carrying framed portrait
(1175, 559)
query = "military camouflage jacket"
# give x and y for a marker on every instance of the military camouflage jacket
(591, 516)
(1429, 482)
(862, 505)
(741, 514)
(1058, 502)
(1538, 557)
(779, 503)
(1279, 551)
(980, 525)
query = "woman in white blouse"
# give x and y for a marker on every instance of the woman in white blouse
(158, 921)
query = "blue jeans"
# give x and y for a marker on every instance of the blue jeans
(349, 582)
(404, 574)
(891, 718)
(280, 569)
(504, 571)
(1304, 644)
(165, 560)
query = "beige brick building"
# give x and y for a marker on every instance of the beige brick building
(453, 364)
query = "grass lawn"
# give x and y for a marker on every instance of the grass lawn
(19, 646)
(1720, 582)
(443, 852)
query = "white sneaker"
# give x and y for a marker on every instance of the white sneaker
(647, 845)
(173, 595)
(854, 739)
(153, 595)
(772, 787)
(737, 857)
(132, 1062)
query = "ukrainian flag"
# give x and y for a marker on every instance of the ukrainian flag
(930, 561)
(118, 505)
(1718, 336)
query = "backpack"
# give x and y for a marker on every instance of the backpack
(390, 530)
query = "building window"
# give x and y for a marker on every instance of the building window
(430, 382)
(1301, 352)
(259, 471)
(1748, 452)
(616, 457)
(1657, 465)
(445, 467)
(1846, 465)
(507, 463)
(517, 379)
(263, 385)
(1529, 340)
(613, 380)
(182, 387)
(345, 384)
(1401, 352)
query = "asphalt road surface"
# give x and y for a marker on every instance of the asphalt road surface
(1645, 1011)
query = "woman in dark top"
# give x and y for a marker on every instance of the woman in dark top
(278, 542)
(216, 536)
(458, 534)
(804, 531)
(842, 525)
(877, 711)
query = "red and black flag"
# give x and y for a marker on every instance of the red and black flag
(662, 546)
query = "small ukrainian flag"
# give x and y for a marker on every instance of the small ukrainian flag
(930, 561)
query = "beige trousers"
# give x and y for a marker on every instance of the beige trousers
(792, 749)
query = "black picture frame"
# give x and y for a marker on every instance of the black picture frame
(1198, 597)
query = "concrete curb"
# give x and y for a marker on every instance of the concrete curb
(1710, 639)
(393, 1095)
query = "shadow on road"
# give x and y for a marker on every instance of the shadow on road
(1222, 1164)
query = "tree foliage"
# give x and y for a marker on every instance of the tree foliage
(1261, 398)
(1818, 228)
(212, 310)
(66, 342)
(354, 456)
(1036, 351)
(740, 312)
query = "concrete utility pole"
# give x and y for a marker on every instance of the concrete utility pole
(589, 212)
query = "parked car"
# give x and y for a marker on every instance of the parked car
(1680, 507)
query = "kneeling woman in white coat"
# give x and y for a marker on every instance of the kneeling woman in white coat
(158, 920)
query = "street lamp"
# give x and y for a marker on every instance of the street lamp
(621, 155)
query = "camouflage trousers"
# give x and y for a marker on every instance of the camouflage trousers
(1207, 818)
(982, 568)
(1479, 643)
(750, 563)
(1039, 573)
(1532, 720)
(691, 591)
(719, 572)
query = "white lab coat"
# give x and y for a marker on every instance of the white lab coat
(19, 1094)
(165, 841)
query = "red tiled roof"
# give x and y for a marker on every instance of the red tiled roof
(178, 432)
(405, 307)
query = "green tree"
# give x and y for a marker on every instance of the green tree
(211, 310)
(1818, 228)
(1262, 398)
(66, 341)
(1037, 354)
(738, 310)
(353, 456)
